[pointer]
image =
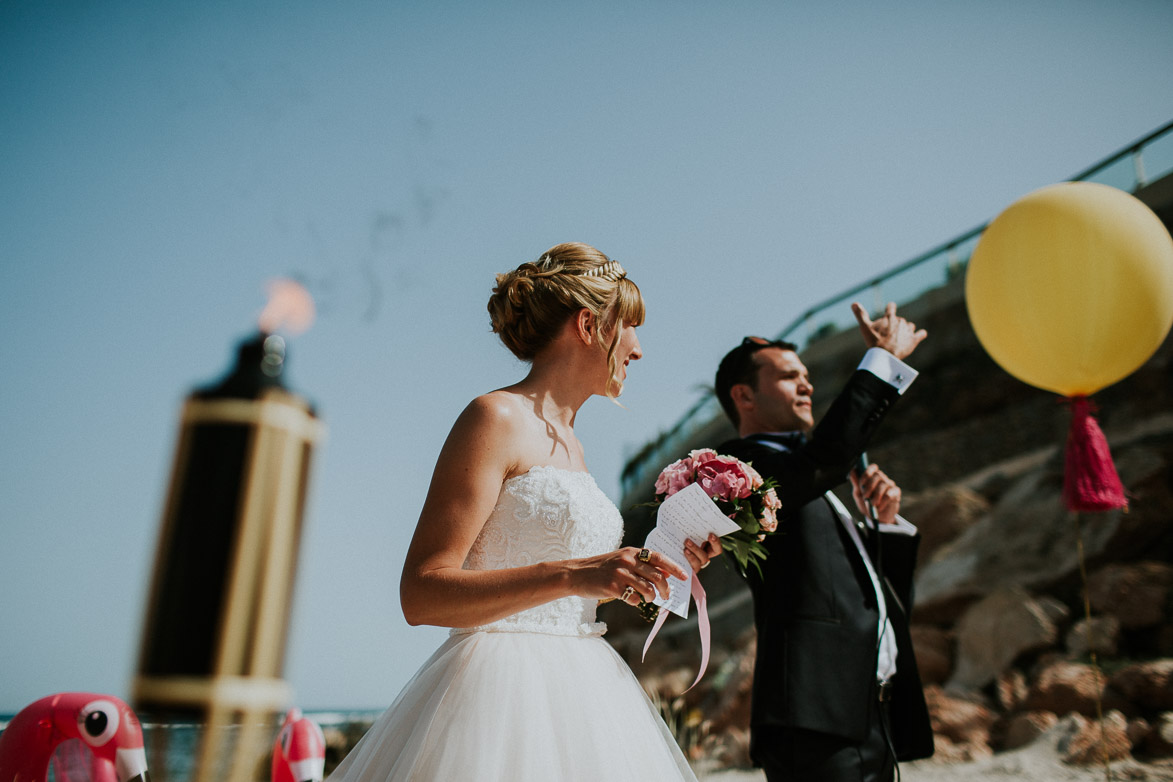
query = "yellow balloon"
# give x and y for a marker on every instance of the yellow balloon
(1071, 287)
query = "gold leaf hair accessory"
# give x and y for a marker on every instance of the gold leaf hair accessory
(610, 271)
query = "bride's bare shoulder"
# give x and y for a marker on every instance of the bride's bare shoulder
(499, 412)
(502, 404)
(491, 431)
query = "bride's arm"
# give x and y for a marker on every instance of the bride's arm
(477, 457)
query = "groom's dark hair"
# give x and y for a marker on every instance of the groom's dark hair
(738, 366)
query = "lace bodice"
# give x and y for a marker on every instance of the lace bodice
(547, 514)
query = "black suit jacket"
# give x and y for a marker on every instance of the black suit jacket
(814, 606)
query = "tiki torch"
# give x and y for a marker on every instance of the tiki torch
(217, 620)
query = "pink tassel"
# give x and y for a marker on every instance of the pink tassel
(1090, 481)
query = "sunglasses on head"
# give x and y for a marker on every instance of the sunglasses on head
(762, 342)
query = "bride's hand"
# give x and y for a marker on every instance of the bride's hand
(700, 556)
(608, 576)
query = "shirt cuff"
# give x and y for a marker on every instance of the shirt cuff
(888, 368)
(901, 526)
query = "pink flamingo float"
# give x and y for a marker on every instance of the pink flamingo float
(98, 738)
(84, 725)
(299, 753)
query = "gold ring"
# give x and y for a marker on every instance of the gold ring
(644, 555)
(627, 593)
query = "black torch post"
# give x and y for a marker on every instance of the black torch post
(217, 620)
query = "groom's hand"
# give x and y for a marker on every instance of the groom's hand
(889, 331)
(699, 556)
(879, 490)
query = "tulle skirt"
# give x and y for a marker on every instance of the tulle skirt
(514, 706)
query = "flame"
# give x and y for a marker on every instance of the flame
(290, 308)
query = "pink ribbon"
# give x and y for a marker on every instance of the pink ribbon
(702, 624)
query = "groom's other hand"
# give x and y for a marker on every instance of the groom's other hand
(889, 331)
(876, 488)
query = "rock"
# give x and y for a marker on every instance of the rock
(1159, 741)
(1010, 689)
(964, 723)
(1136, 593)
(945, 751)
(1101, 635)
(1063, 687)
(941, 515)
(934, 653)
(1023, 728)
(1026, 540)
(1138, 731)
(994, 632)
(1087, 745)
(1147, 684)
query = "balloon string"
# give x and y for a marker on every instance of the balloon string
(1087, 613)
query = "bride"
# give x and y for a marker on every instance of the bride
(514, 548)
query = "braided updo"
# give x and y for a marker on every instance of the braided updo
(530, 304)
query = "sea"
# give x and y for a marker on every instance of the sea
(172, 747)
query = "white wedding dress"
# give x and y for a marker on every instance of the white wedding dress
(535, 696)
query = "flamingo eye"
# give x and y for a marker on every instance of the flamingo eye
(98, 722)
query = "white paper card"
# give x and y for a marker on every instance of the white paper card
(687, 514)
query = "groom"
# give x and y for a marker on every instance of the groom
(836, 693)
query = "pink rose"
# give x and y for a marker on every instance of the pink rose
(698, 457)
(770, 506)
(674, 477)
(701, 455)
(770, 500)
(725, 477)
(724, 484)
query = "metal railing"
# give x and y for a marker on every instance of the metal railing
(1130, 169)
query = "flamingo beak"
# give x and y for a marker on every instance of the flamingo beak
(309, 770)
(131, 764)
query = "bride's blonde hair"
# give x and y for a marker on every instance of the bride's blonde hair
(530, 304)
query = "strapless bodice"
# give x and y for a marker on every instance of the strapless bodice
(547, 514)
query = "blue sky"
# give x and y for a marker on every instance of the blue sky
(160, 161)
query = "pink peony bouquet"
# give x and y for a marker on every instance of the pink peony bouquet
(740, 493)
